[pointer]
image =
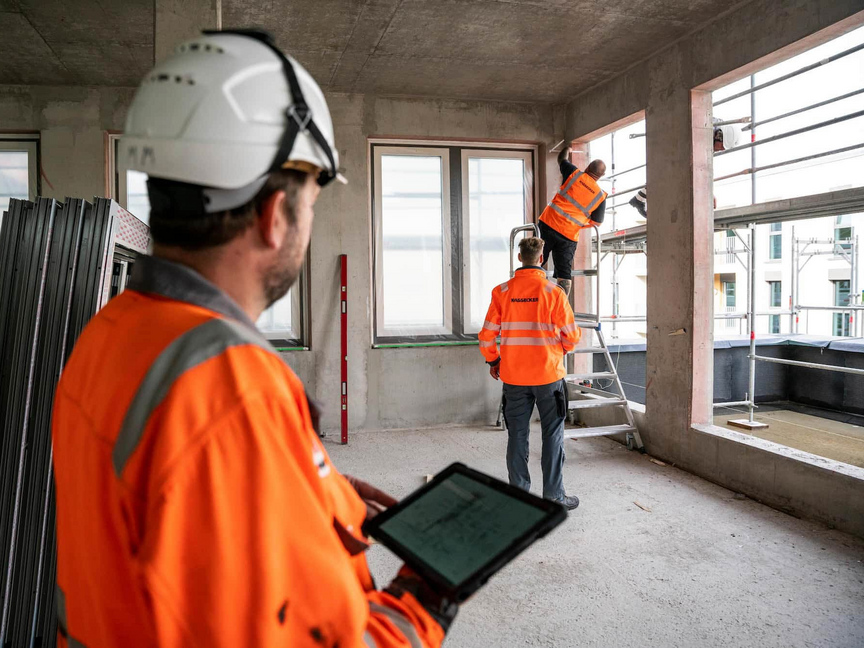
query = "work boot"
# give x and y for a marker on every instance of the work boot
(565, 284)
(570, 502)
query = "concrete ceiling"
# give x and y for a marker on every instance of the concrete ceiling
(513, 50)
(75, 42)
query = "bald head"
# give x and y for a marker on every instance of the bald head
(597, 169)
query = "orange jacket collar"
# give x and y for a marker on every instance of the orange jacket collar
(531, 270)
(157, 276)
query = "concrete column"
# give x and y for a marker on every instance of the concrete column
(179, 20)
(679, 363)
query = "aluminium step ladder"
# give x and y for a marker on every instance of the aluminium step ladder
(598, 398)
(601, 398)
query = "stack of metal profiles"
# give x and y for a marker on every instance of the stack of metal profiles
(53, 262)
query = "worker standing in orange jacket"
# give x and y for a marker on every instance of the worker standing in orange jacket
(578, 204)
(196, 505)
(536, 326)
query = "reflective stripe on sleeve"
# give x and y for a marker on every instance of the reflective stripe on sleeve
(404, 625)
(530, 341)
(569, 328)
(369, 641)
(489, 326)
(504, 287)
(487, 343)
(527, 326)
(552, 285)
(191, 349)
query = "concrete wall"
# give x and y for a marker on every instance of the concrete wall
(71, 122)
(403, 387)
(673, 87)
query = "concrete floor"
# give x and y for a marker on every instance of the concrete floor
(838, 440)
(701, 568)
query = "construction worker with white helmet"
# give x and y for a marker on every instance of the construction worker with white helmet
(196, 505)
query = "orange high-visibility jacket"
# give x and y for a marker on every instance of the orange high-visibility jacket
(570, 209)
(196, 505)
(536, 326)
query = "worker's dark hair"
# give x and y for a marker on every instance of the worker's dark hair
(531, 249)
(194, 232)
(596, 168)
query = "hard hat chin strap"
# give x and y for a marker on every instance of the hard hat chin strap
(299, 116)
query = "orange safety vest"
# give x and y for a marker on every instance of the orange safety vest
(536, 325)
(196, 505)
(570, 209)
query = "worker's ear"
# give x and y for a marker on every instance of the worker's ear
(271, 222)
(519, 256)
(540, 262)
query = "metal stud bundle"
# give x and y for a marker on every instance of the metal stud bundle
(53, 260)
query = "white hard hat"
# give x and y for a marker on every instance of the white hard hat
(221, 113)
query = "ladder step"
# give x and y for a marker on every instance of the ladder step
(591, 390)
(588, 350)
(588, 376)
(587, 325)
(604, 430)
(584, 273)
(585, 317)
(598, 402)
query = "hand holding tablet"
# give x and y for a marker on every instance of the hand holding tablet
(462, 527)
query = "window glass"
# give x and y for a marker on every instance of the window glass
(775, 293)
(137, 199)
(412, 233)
(14, 177)
(729, 289)
(775, 250)
(774, 323)
(841, 293)
(496, 204)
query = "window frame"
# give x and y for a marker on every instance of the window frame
(771, 294)
(455, 196)
(30, 144)
(775, 232)
(527, 159)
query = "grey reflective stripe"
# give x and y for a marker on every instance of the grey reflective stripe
(191, 349)
(484, 343)
(573, 202)
(504, 287)
(527, 326)
(593, 203)
(576, 175)
(530, 341)
(62, 623)
(60, 599)
(369, 641)
(404, 625)
(561, 212)
(552, 285)
(569, 328)
(490, 326)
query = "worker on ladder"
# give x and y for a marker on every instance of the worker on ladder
(537, 329)
(196, 505)
(578, 204)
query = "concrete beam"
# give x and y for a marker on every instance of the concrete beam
(179, 20)
(755, 35)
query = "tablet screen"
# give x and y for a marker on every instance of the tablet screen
(461, 525)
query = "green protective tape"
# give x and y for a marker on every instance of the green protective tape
(292, 348)
(408, 345)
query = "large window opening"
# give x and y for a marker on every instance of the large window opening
(793, 178)
(442, 217)
(624, 267)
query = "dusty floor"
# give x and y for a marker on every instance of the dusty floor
(700, 569)
(840, 440)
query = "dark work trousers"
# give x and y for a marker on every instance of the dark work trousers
(551, 403)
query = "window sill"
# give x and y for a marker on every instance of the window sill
(414, 345)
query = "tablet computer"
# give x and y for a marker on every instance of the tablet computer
(462, 527)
